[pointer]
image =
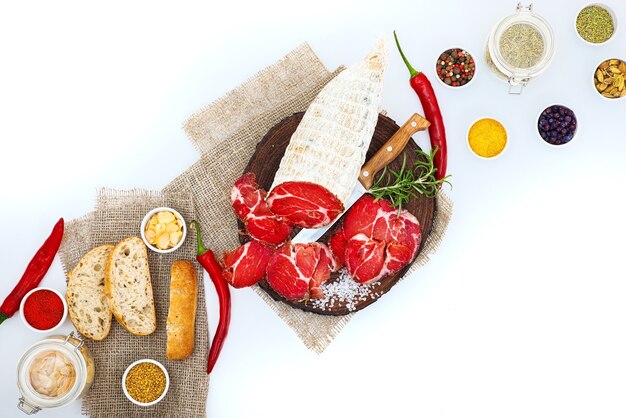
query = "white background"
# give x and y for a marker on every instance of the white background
(521, 313)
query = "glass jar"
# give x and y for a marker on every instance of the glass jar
(520, 48)
(73, 351)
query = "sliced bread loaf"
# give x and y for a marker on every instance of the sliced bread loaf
(87, 305)
(128, 288)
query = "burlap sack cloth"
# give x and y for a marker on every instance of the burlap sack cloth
(226, 133)
(117, 216)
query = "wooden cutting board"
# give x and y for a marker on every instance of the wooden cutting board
(264, 164)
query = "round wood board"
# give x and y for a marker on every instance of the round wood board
(264, 164)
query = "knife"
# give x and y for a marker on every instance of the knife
(386, 154)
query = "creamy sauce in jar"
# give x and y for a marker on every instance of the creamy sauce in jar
(51, 374)
(54, 372)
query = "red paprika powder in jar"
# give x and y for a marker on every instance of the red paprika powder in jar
(43, 309)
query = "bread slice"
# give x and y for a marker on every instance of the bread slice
(128, 288)
(88, 307)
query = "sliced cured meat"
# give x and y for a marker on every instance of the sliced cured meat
(337, 245)
(297, 271)
(247, 264)
(365, 258)
(370, 217)
(246, 195)
(405, 230)
(375, 240)
(397, 256)
(285, 277)
(308, 205)
(248, 201)
(264, 226)
(327, 255)
(321, 273)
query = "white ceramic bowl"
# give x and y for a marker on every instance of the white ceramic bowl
(149, 215)
(157, 400)
(593, 81)
(613, 16)
(546, 142)
(43, 330)
(466, 84)
(506, 145)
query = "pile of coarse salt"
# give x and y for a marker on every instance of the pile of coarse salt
(345, 290)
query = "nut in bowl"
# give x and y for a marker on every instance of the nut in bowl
(609, 78)
(43, 309)
(145, 382)
(163, 230)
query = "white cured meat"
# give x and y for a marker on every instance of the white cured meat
(329, 146)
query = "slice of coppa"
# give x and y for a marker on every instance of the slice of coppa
(328, 148)
(248, 201)
(375, 240)
(297, 271)
(246, 265)
(304, 204)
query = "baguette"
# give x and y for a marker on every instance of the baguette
(182, 312)
(128, 288)
(87, 305)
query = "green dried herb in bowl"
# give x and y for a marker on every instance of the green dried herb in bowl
(596, 23)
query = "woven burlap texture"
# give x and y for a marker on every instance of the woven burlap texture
(227, 131)
(117, 216)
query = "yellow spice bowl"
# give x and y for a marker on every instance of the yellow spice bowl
(487, 138)
(157, 400)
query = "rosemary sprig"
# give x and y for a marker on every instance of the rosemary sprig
(399, 186)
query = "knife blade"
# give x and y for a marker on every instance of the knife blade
(385, 154)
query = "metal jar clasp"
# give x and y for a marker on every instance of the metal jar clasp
(27, 408)
(68, 340)
(521, 7)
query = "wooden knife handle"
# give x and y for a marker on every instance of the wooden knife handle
(391, 149)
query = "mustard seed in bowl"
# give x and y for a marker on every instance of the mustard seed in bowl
(145, 382)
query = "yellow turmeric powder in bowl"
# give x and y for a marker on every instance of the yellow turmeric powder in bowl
(487, 138)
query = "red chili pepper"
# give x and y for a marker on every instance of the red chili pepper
(206, 258)
(35, 271)
(436, 130)
(43, 309)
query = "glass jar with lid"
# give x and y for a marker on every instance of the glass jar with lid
(520, 47)
(54, 372)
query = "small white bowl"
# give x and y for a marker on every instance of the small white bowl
(466, 84)
(593, 81)
(613, 16)
(506, 145)
(28, 325)
(157, 400)
(546, 142)
(149, 215)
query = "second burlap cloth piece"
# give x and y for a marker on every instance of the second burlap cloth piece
(227, 131)
(117, 216)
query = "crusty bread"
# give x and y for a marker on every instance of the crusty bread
(181, 317)
(128, 288)
(87, 305)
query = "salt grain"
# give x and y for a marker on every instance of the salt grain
(345, 290)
